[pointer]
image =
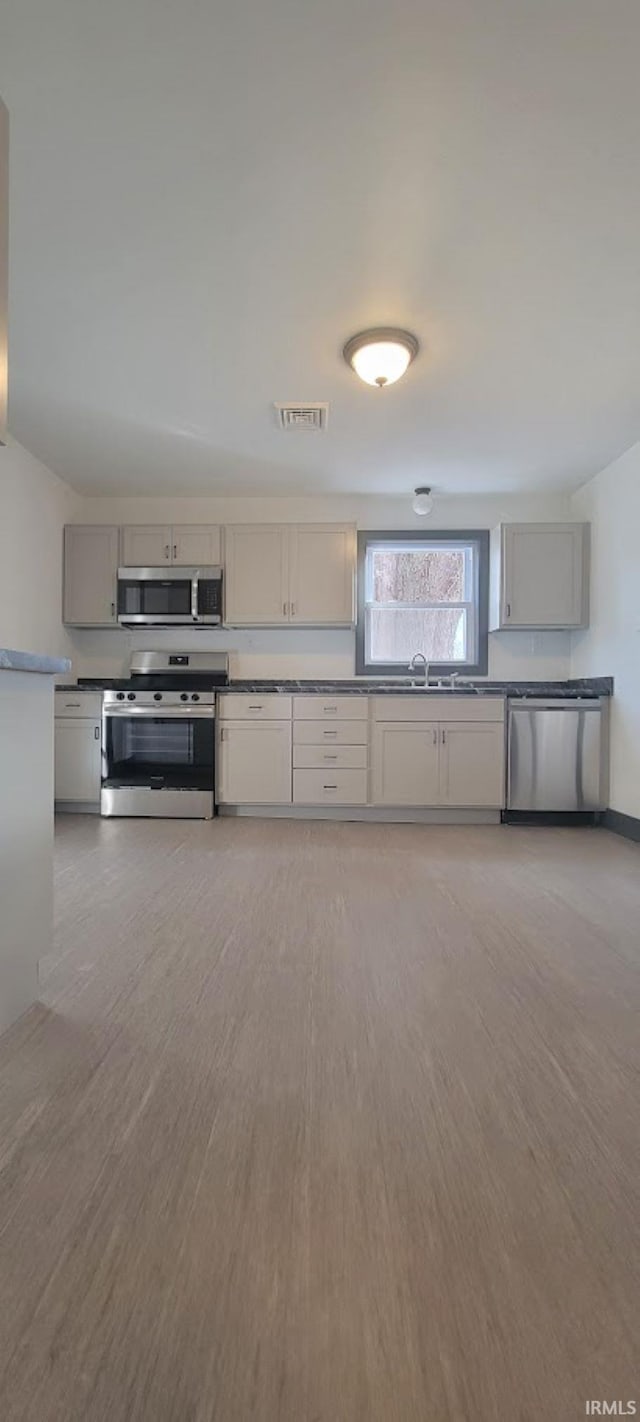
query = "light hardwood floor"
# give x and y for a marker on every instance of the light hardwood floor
(325, 1123)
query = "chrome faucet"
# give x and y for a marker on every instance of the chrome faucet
(419, 657)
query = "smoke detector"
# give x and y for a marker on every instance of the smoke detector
(303, 416)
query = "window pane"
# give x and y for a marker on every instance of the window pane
(395, 634)
(420, 575)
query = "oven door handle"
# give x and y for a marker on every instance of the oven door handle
(168, 713)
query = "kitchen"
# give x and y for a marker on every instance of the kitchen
(441, 756)
(319, 710)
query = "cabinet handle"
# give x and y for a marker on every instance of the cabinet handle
(329, 787)
(444, 737)
(113, 609)
(166, 552)
(293, 609)
(175, 550)
(435, 736)
(284, 609)
(508, 610)
(222, 733)
(96, 733)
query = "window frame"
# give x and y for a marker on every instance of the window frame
(477, 536)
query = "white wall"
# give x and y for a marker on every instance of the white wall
(296, 652)
(34, 507)
(611, 644)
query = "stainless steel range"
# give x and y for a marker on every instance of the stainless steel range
(158, 736)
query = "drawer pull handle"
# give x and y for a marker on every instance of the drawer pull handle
(327, 709)
(330, 733)
(331, 757)
(256, 708)
(329, 787)
(69, 704)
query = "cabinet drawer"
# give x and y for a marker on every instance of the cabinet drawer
(77, 704)
(426, 706)
(237, 706)
(340, 733)
(330, 755)
(329, 787)
(330, 708)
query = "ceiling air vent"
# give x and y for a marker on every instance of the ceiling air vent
(302, 416)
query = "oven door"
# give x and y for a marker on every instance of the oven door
(173, 750)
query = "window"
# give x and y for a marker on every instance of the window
(426, 594)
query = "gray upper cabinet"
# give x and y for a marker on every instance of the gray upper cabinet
(539, 576)
(196, 545)
(190, 545)
(4, 264)
(90, 575)
(294, 574)
(146, 545)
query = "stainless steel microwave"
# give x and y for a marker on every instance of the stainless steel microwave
(169, 597)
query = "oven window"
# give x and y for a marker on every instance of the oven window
(178, 753)
(142, 598)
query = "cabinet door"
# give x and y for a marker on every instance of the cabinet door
(472, 765)
(404, 764)
(146, 546)
(77, 761)
(4, 264)
(256, 575)
(322, 575)
(254, 763)
(196, 545)
(90, 575)
(543, 575)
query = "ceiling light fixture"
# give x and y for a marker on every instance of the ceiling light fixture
(382, 355)
(422, 502)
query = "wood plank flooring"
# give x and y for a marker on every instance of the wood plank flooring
(325, 1123)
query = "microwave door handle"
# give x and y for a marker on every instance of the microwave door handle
(194, 599)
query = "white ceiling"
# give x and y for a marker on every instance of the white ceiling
(209, 196)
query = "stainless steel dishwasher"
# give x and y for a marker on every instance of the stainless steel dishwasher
(558, 754)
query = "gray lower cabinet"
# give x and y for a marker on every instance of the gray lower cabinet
(444, 752)
(77, 751)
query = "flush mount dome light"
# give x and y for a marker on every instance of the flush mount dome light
(382, 355)
(422, 501)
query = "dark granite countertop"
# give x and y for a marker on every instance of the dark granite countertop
(11, 660)
(85, 686)
(586, 686)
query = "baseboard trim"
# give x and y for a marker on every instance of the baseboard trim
(548, 818)
(77, 807)
(377, 814)
(626, 825)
